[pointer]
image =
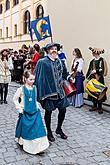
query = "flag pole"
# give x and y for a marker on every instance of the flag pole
(51, 40)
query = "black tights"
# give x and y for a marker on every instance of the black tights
(3, 91)
(61, 117)
(97, 104)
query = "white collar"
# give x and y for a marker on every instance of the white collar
(52, 58)
(97, 58)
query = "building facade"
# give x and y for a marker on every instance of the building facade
(15, 17)
(74, 23)
(81, 24)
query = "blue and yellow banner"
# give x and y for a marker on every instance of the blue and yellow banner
(41, 27)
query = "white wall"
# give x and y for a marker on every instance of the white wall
(77, 23)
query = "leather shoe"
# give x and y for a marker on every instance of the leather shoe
(50, 137)
(61, 133)
(93, 109)
(100, 111)
(5, 102)
(1, 101)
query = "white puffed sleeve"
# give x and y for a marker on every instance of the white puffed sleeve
(18, 94)
(80, 65)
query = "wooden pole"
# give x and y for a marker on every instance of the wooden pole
(51, 40)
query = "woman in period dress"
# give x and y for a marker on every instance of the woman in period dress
(97, 69)
(5, 75)
(77, 67)
(30, 131)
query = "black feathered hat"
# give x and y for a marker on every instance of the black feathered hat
(96, 50)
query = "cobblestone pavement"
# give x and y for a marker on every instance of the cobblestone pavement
(88, 137)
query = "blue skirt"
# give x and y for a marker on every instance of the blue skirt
(30, 126)
(79, 83)
(76, 100)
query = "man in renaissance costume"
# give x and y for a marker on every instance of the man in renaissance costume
(50, 72)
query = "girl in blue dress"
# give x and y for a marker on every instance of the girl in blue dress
(30, 131)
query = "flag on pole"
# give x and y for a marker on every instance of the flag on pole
(30, 32)
(41, 27)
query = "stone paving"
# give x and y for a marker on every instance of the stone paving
(88, 137)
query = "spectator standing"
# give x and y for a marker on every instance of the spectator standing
(5, 75)
(62, 55)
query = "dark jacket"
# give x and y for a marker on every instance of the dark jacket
(46, 80)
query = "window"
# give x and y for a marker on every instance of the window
(6, 32)
(1, 8)
(15, 2)
(7, 4)
(0, 33)
(15, 29)
(39, 11)
(26, 21)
